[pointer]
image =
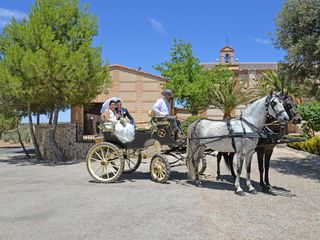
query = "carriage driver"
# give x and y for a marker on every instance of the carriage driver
(162, 109)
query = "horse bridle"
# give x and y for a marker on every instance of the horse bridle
(291, 106)
(270, 102)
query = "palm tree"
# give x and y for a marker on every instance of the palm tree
(272, 81)
(228, 94)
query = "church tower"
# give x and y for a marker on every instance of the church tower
(227, 55)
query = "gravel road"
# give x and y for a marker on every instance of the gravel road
(60, 201)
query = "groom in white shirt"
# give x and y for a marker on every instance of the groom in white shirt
(162, 109)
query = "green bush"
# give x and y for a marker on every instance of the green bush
(188, 121)
(12, 135)
(310, 112)
(311, 145)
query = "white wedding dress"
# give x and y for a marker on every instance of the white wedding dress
(123, 131)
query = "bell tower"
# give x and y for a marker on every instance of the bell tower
(227, 55)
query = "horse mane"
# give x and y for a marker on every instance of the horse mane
(249, 109)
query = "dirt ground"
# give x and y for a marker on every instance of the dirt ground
(60, 201)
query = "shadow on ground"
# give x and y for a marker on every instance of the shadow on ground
(226, 184)
(16, 156)
(308, 167)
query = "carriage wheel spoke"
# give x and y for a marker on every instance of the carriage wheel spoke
(96, 171)
(108, 174)
(102, 170)
(114, 164)
(129, 161)
(98, 155)
(102, 153)
(114, 173)
(107, 153)
(160, 174)
(96, 159)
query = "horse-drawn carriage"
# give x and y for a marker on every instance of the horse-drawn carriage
(106, 161)
(109, 157)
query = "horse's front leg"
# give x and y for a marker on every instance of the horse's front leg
(230, 160)
(218, 166)
(248, 165)
(267, 166)
(240, 158)
(260, 156)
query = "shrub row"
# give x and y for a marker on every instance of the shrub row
(311, 145)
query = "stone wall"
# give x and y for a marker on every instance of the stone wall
(66, 138)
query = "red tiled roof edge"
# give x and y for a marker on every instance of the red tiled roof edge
(118, 66)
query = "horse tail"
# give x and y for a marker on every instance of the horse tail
(191, 170)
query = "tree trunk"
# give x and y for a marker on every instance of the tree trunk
(33, 136)
(52, 137)
(38, 119)
(50, 117)
(225, 116)
(21, 143)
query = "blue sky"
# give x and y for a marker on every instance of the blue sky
(141, 32)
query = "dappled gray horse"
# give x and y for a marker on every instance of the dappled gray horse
(265, 146)
(239, 135)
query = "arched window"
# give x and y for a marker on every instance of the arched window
(227, 58)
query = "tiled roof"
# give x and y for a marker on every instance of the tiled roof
(248, 65)
(135, 71)
(258, 65)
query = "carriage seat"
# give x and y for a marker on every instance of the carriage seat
(158, 120)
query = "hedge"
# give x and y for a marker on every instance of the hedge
(311, 145)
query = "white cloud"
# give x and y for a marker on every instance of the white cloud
(157, 26)
(7, 14)
(263, 41)
(10, 13)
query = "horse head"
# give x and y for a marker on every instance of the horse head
(291, 109)
(275, 107)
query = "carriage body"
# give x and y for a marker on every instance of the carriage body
(144, 137)
(110, 157)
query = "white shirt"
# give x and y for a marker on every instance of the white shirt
(161, 107)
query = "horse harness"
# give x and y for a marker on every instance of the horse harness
(265, 132)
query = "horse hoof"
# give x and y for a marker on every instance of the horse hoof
(239, 193)
(265, 189)
(219, 178)
(198, 184)
(253, 191)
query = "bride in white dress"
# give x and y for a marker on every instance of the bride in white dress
(124, 131)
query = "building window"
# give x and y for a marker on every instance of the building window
(227, 58)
